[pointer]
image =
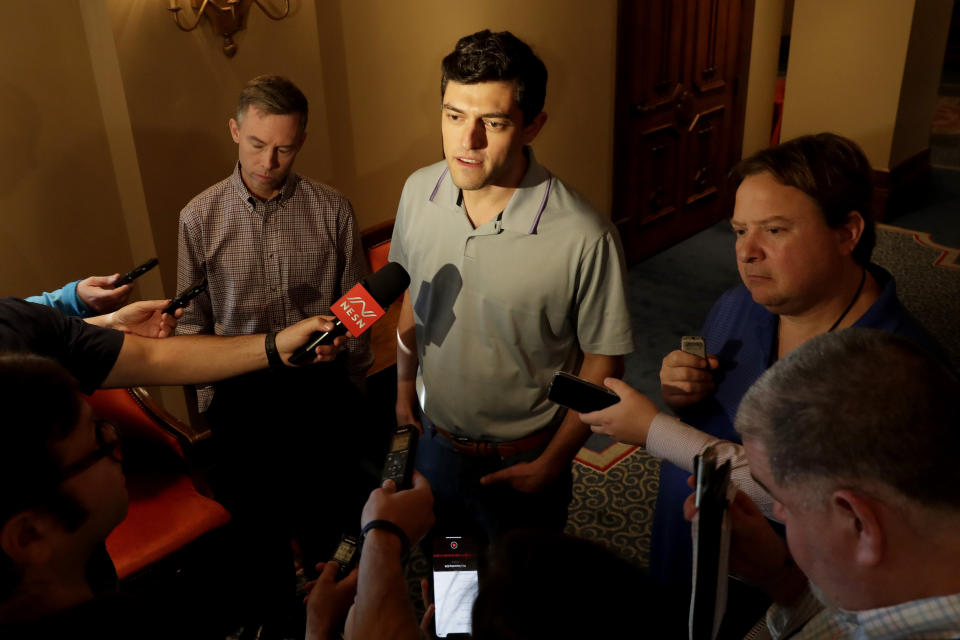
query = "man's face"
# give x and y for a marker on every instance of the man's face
(268, 146)
(101, 488)
(484, 134)
(814, 534)
(788, 257)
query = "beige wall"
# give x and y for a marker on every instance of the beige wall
(845, 71)
(762, 77)
(868, 70)
(371, 72)
(60, 205)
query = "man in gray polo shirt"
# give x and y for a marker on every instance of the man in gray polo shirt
(513, 276)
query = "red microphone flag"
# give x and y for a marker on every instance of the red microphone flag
(357, 310)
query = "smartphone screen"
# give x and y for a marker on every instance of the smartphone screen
(455, 585)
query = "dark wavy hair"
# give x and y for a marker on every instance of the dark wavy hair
(830, 169)
(486, 56)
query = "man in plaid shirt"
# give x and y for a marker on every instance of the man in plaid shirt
(855, 435)
(276, 247)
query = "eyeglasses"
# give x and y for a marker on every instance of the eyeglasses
(108, 439)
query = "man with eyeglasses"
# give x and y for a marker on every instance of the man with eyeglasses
(63, 492)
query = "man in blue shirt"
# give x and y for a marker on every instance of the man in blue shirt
(91, 296)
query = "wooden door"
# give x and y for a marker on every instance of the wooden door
(681, 80)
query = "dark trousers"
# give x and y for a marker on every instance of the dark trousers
(462, 505)
(287, 467)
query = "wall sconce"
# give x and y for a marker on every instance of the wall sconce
(226, 20)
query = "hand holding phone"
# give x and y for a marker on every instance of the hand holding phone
(684, 380)
(345, 556)
(400, 457)
(184, 298)
(578, 394)
(628, 420)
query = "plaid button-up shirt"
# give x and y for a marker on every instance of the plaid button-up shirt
(269, 263)
(935, 618)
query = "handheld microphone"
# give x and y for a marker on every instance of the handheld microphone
(363, 305)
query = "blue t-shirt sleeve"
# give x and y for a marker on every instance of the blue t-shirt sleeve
(65, 300)
(88, 352)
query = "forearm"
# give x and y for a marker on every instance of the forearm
(185, 360)
(677, 442)
(408, 360)
(572, 432)
(382, 606)
(100, 321)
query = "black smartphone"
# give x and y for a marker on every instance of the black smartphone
(710, 568)
(184, 298)
(345, 556)
(400, 456)
(456, 582)
(135, 273)
(578, 394)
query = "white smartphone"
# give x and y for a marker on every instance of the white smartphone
(455, 585)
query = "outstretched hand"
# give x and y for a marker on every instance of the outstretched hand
(329, 601)
(144, 318)
(98, 294)
(628, 420)
(297, 335)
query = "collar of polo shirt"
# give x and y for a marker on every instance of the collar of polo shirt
(522, 214)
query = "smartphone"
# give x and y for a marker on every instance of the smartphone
(693, 345)
(135, 273)
(345, 556)
(184, 298)
(456, 583)
(578, 394)
(710, 547)
(400, 456)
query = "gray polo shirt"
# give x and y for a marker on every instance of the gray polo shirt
(499, 308)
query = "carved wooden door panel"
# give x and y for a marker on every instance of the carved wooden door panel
(679, 116)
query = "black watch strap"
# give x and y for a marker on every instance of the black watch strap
(386, 525)
(273, 356)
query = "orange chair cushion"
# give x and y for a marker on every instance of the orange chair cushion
(166, 513)
(119, 407)
(379, 255)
